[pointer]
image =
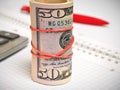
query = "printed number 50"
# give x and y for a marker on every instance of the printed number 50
(51, 74)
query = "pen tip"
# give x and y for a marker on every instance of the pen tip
(106, 22)
(103, 22)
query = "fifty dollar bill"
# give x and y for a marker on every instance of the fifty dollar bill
(51, 16)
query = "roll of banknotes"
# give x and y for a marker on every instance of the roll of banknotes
(51, 15)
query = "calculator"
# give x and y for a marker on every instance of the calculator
(11, 43)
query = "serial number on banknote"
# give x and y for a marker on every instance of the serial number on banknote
(60, 22)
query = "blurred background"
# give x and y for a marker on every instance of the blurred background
(90, 72)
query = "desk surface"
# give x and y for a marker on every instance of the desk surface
(15, 71)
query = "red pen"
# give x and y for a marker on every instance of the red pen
(88, 20)
(78, 18)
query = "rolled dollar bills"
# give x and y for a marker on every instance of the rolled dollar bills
(51, 15)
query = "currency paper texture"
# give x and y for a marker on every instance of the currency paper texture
(51, 16)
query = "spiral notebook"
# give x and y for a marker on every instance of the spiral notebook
(96, 66)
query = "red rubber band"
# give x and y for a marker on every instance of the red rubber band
(50, 31)
(59, 54)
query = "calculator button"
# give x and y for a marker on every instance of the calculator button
(3, 41)
(8, 35)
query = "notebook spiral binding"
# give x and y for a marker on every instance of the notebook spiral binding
(102, 55)
(107, 52)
